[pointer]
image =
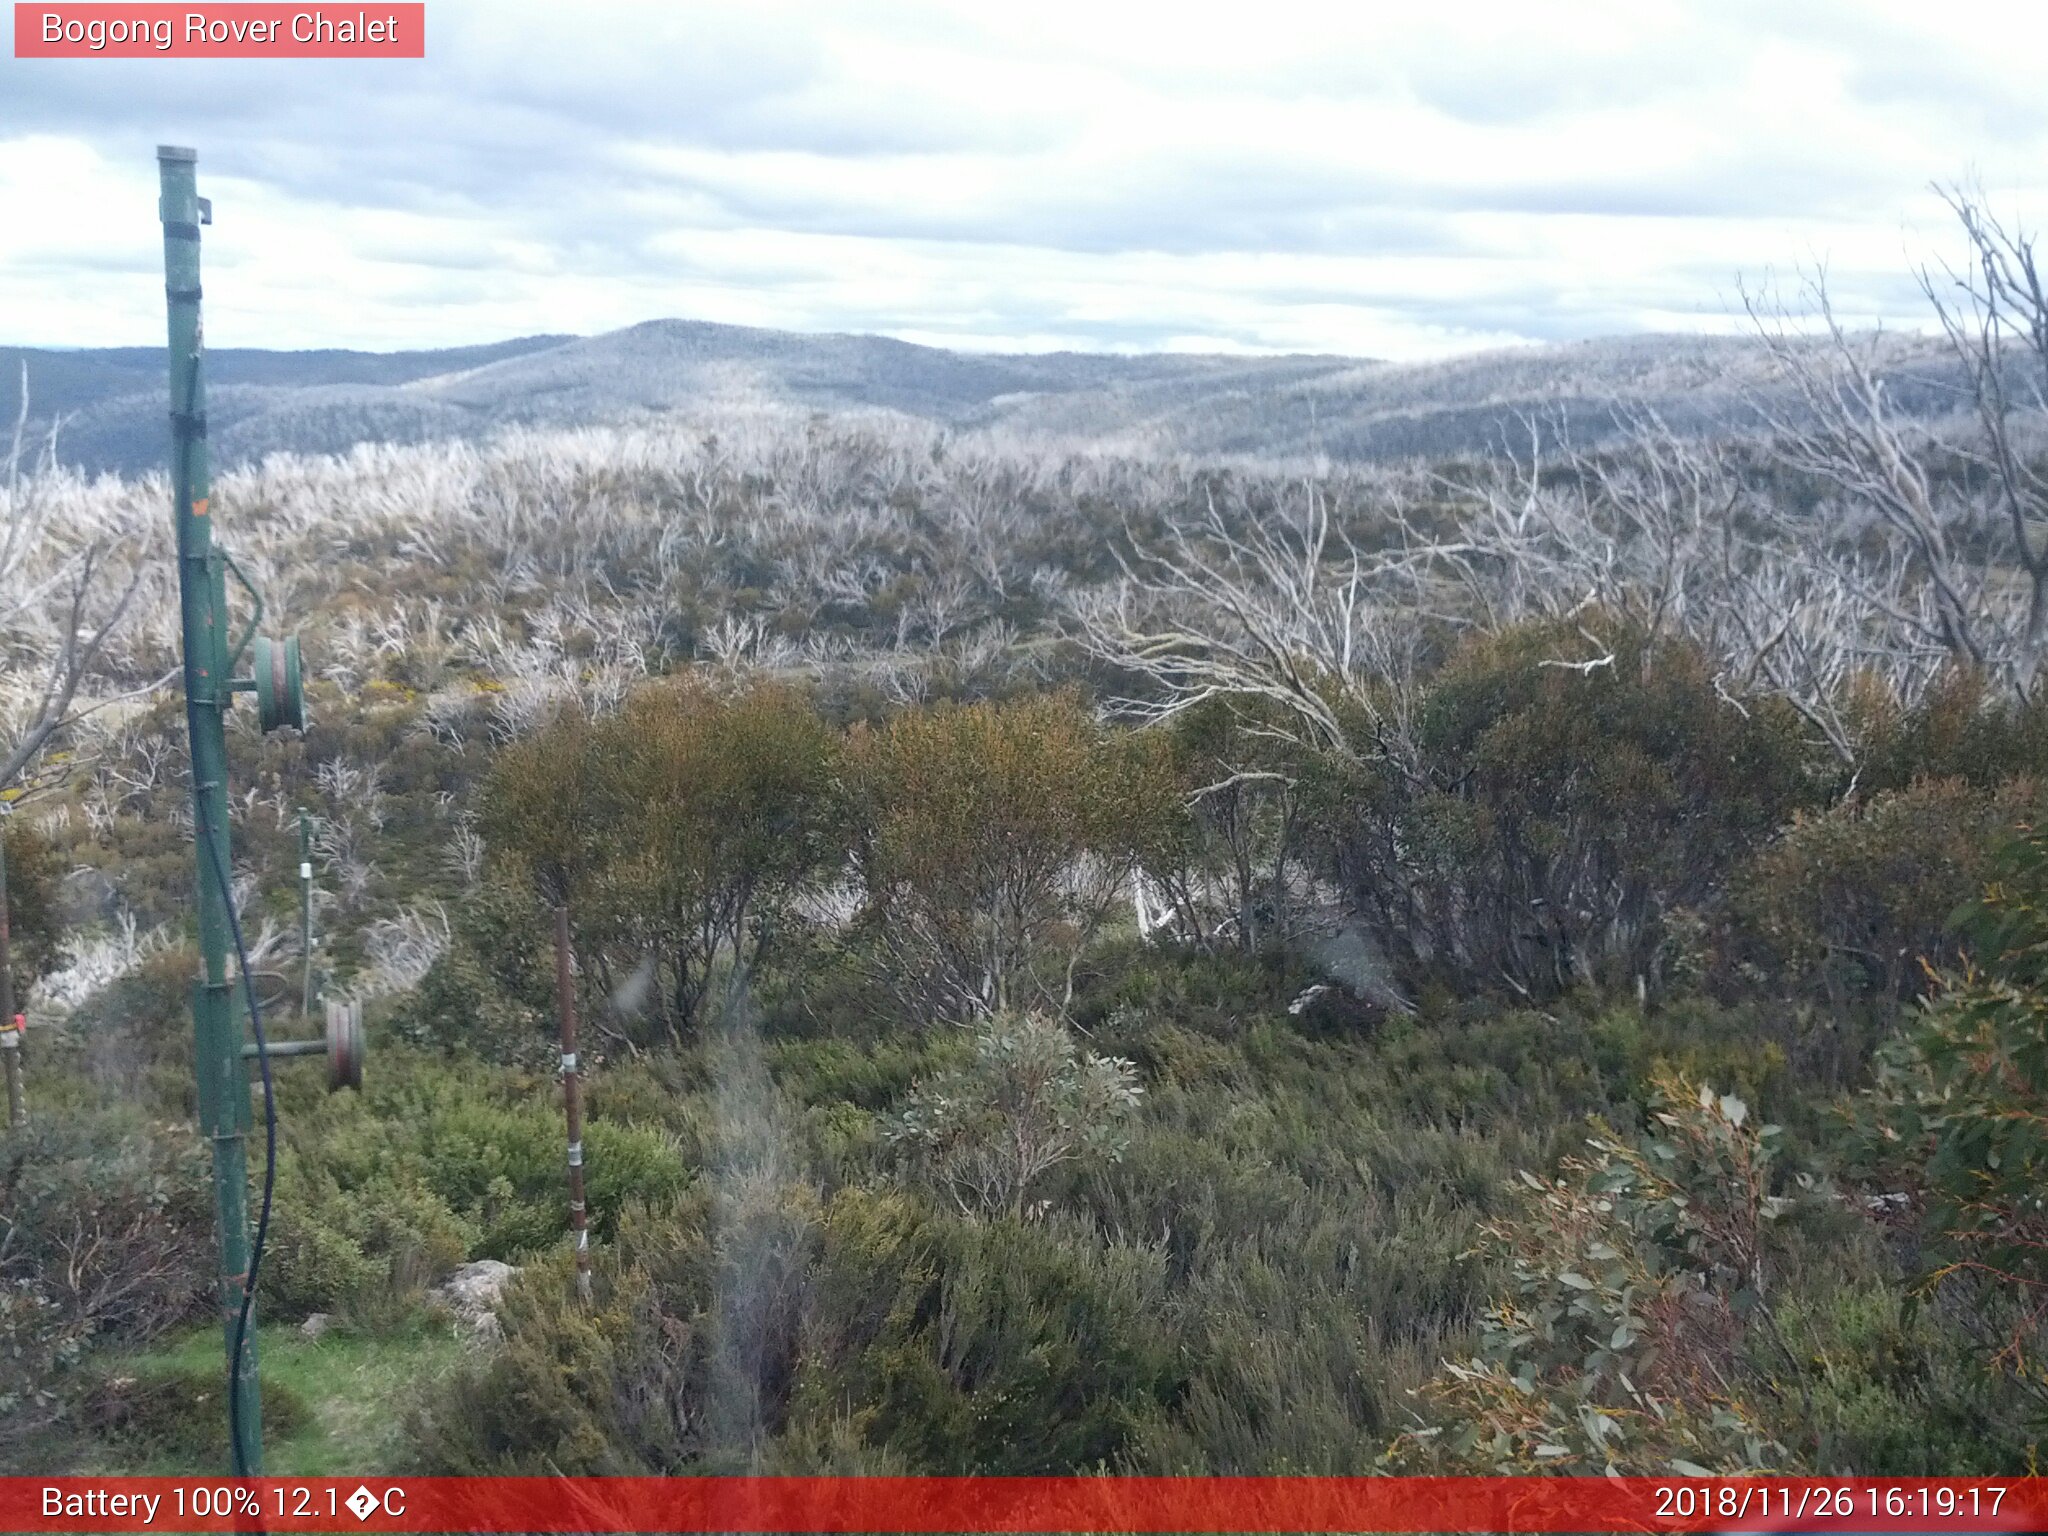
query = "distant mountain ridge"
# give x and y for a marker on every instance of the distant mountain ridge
(111, 401)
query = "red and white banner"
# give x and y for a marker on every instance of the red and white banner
(220, 31)
(1021, 1504)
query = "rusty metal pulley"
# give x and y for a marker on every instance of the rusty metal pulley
(344, 1046)
(341, 1044)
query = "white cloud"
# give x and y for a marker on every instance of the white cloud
(1398, 181)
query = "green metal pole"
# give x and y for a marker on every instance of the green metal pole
(223, 1081)
(306, 913)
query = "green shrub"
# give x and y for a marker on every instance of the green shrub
(502, 1168)
(130, 1042)
(994, 842)
(726, 1324)
(984, 1347)
(872, 1076)
(680, 834)
(684, 1360)
(434, 1162)
(41, 1342)
(490, 993)
(1855, 901)
(311, 1266)
(1619, 1348)
(177, 1416)
(105, 1237)
(368, 1253)
(1558, 813)
(1888, 1390)
(1226, 868)
(1029, 1101)
(1956, 1117)
(110, 1216)
(33, 866)
(1961, 728)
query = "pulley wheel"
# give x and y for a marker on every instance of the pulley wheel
(280, 693)
(344, 1046)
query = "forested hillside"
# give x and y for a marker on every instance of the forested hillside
(1210, 407)
(1089, 960)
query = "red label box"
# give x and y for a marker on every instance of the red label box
(925, 1506)
(101, 30)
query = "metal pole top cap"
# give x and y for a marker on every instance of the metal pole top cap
(177, 152)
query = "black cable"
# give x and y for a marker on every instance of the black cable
(240, 1346)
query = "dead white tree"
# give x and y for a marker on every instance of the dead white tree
(1287, 611)
(1939, 581)
(1671, 534)
(65, 585)
(1994, 312)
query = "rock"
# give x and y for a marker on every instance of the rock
(1300, 1005)
(476, 1287)
(316, 1324)
(472, 1293)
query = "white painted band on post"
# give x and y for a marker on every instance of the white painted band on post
(575, 1154)
(568, 1061)
(305, 871)
(582, 1242)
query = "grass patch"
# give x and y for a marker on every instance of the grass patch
(331, 1404)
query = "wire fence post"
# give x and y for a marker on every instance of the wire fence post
(572, 1098)
(10, 1054)
(10, 1021)
(305, 914)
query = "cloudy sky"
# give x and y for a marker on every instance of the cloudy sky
(1385, 179)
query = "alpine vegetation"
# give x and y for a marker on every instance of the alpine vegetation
(1095, 949)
